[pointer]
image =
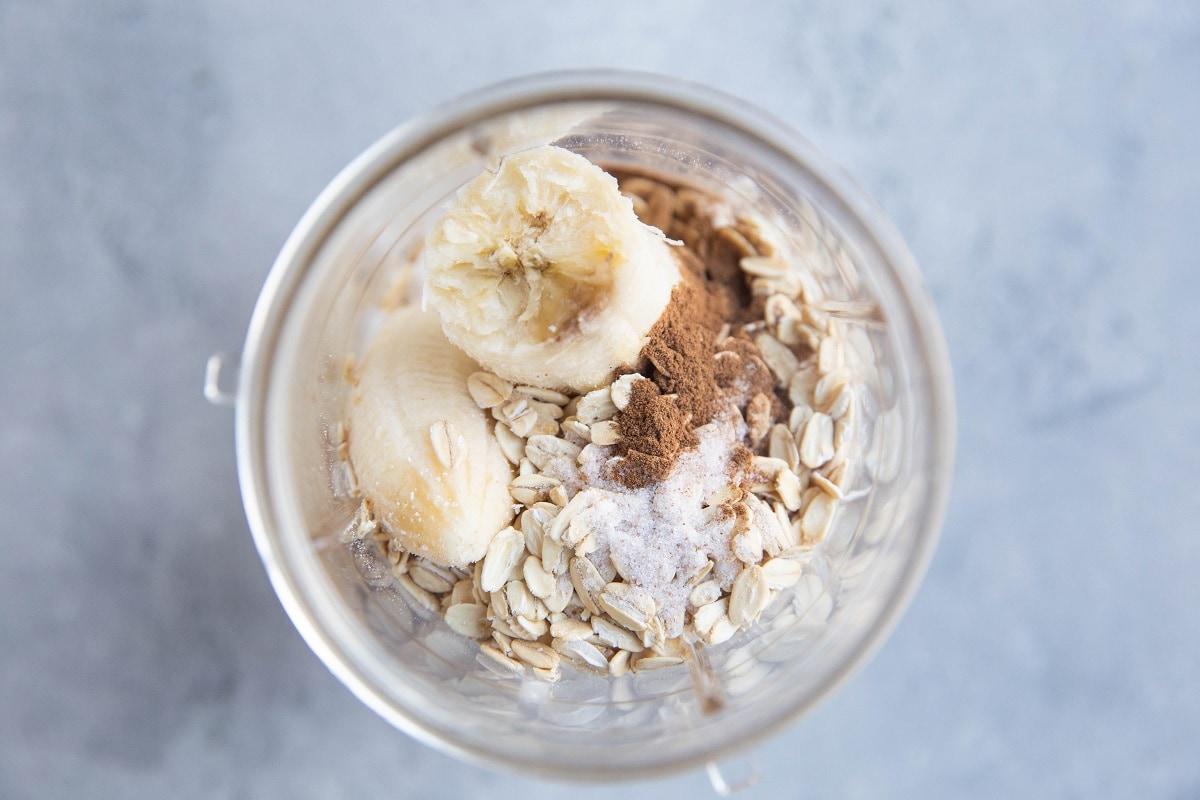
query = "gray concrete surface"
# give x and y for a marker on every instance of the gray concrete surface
(1041, 158)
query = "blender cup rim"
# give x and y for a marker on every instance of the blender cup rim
(412, 137)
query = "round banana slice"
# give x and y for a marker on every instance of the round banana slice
(423, 451)
(543, 274)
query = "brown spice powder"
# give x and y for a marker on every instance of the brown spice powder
(681, 349)
(654, 430)
(688, 383)
(745, 374)
(691, 377)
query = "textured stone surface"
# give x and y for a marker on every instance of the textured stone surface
(1041, 159)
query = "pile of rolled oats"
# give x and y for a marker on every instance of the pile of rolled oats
(550, 589)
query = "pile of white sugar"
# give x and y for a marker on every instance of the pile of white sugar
(660, 537)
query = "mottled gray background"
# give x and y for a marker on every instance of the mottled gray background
(1042, 158)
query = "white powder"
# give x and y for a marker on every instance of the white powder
(658, 537)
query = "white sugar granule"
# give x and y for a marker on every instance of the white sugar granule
(658, 537)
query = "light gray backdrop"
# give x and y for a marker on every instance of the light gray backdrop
(1042, 159)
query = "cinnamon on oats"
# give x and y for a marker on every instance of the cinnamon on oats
(680, 499)
(654, 429)
(694, 379)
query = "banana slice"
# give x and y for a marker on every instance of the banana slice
(423, 452)
(543, 274)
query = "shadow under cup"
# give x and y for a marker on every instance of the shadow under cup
(355, 244)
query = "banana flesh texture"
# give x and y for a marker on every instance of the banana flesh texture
(542, 273)
(424, 453)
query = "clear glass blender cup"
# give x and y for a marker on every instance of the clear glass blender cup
(358, 241)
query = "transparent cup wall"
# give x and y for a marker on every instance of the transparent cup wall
(403, 660)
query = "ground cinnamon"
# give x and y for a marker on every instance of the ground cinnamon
(681, 349)
(654, 430)
(689, 383)
(692, 377)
